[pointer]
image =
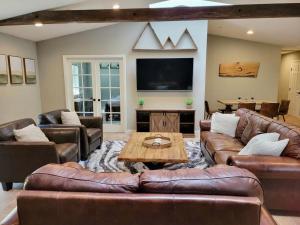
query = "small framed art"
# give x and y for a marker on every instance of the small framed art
(3, 70)
(15, 66)
(30, 71)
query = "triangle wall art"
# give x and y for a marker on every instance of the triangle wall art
(162, 36)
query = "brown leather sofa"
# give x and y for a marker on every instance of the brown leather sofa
(19, 159)
(68, 194)
(280, 176)
(91, 130)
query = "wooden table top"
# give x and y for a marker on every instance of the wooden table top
(134, 151)
(237, 101)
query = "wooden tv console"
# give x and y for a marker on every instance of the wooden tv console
(169, 120)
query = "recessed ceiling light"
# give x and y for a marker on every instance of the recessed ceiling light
(38, 24)
(116, 6)
(250, 32)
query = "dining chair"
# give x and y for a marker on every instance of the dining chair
(269, 109)
(247, 105)
(208, 111)
(283, 109)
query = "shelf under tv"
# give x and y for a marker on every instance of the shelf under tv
(166, 120)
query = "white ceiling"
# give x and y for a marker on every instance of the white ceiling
(284, 32)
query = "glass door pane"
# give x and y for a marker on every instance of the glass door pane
(83, 88)
(110, 92)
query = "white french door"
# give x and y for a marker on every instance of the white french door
(294, 89)
(95, 86)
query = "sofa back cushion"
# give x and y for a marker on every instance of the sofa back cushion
(287, 132)
(244, 114)
(218, 180)
(7, 129)
(257, 124)
(71, 177)
(52, 117)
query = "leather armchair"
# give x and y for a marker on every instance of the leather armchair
(91, 130)
(19, 159)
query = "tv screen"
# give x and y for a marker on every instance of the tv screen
(172, 74)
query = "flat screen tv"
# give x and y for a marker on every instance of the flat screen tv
(168, 74)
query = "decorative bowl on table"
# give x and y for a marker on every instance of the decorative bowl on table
(157, 142)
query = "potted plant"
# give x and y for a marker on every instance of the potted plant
(141, 103)
(189, 103)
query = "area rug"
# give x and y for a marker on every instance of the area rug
(106, 159)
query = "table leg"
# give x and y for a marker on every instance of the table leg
(228, 109)
(154, 166)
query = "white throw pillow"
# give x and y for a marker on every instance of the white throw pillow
(272, 148)
(30, 133)
(224, 123)
(259, 138)
(70, 118)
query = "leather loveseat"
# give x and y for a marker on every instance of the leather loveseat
(280, 176)
(68, 194)
(91, 130)
(19, 159)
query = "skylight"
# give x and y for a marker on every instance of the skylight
(188, 3)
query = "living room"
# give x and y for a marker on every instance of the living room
(114, 72)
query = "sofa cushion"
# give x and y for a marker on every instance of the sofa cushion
(220, 142)
(66, 151)
(69, 178)
(224, 123)
(30, 133)
(244, 114)
(257, 124)
(287, 132)
(93, 134)
(259, 138)
(70, 118)
(271, 148)
(218, 180)
(221, 157)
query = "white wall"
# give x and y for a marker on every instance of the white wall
(18, 101)
(286, 62)
(118, 40)
(228, 50)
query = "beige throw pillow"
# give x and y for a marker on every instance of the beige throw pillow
(70, 118)
(30, 133)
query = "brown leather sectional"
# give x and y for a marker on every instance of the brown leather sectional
(69, 194)
(280, 176)
(91, 130)
(19, 159)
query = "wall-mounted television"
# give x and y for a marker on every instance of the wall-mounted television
(165, 74)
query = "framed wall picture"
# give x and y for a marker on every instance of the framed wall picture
(30, 71)
(15, 66)
(3, 70)
(239, 69)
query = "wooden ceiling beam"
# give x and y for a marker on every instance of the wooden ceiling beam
(160, 14)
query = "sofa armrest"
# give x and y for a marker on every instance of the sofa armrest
(205, 125)
(19, 159)
(268, 166)
(11, 219)
(92, 121)
(63, 135)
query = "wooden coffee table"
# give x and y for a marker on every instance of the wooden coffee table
(134, 151)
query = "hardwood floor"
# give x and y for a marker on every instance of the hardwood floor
(8, 199)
